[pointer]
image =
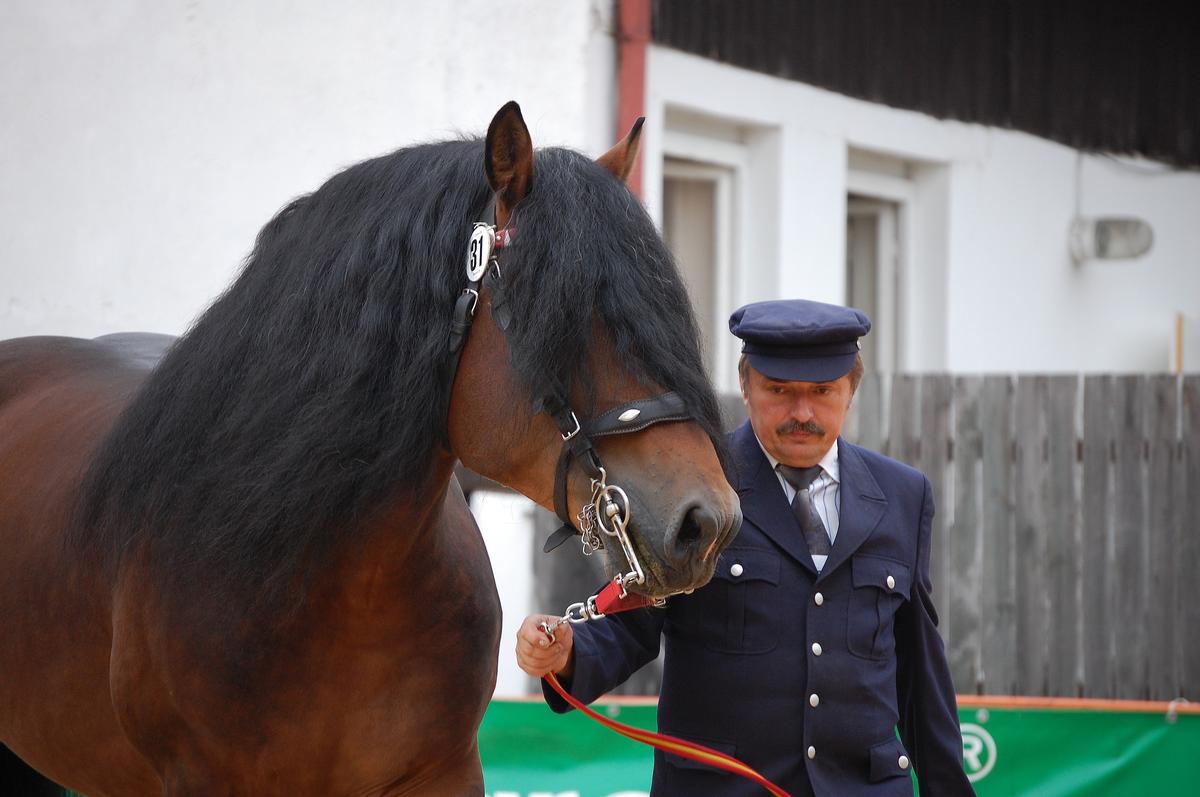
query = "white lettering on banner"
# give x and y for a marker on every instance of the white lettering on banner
(979, 751)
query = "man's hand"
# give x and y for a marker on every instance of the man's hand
(537, 655)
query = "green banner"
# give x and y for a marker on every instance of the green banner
(528, 751)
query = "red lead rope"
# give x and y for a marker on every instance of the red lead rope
(609, 601)
(615, 598)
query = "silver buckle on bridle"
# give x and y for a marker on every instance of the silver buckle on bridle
(575, 431)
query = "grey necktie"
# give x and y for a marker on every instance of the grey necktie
(814, 530)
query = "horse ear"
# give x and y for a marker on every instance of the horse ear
(619, 160)
(508, 160)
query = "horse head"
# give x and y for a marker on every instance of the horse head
(583, 326)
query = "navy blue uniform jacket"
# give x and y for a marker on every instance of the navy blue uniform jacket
(742, 669)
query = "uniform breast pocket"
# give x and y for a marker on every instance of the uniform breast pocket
(738, 611)
(880, 586)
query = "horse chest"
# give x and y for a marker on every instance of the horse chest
(405, 691)
(389, 665)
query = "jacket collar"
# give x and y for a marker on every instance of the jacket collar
(862, 506)
(764, 503)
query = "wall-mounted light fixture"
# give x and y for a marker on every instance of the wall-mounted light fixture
(1109, 238)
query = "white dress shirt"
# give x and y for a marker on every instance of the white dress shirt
(825, 491)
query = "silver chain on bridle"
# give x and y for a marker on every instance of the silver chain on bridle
(603, 517)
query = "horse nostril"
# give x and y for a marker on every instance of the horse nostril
(690, 531)
(696, 532)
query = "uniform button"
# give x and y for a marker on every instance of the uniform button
(816, 648)
(819, 599)
(902, 761)
(736, 570)
(891, 582)
(812, 752)
(814, 700)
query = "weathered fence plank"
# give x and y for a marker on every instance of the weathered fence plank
(1129, 538)
(1188, 561)
(962, 595)
(998, 588)
(867, 413)
(1162, 417)
(935, 392)
(1060, 514)
(1031, 472)
(1096, 552)
(904, 420)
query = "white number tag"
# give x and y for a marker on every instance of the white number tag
(479, 254)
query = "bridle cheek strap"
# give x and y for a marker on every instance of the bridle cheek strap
(633, 416)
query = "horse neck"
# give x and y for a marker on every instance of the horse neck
(401, 539)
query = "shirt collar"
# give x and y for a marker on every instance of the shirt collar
(828, 463)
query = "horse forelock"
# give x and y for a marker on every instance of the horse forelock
(310, 390)
(587, 252)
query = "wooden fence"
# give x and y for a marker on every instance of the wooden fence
(1066, 543)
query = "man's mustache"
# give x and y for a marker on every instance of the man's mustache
(793, 426)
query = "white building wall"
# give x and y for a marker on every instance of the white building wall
(989, 284)
(143, 143)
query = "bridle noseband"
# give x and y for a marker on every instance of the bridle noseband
(608, 512)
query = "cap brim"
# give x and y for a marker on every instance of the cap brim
(806, 369)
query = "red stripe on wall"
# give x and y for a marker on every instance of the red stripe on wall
(633, 37)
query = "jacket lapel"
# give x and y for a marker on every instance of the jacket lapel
(763, 500)
(862, 506)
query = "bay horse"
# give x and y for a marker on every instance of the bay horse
(238, 563)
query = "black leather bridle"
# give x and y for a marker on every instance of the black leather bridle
(605, 512)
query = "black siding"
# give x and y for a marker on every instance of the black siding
(1100, 76)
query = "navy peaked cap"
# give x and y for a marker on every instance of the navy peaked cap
(798, 340)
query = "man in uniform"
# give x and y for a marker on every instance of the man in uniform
(817, 639)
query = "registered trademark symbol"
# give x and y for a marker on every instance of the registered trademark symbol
(979, 751)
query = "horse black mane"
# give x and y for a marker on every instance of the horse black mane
(311, 389)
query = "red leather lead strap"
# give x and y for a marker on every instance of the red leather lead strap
(610, 601)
